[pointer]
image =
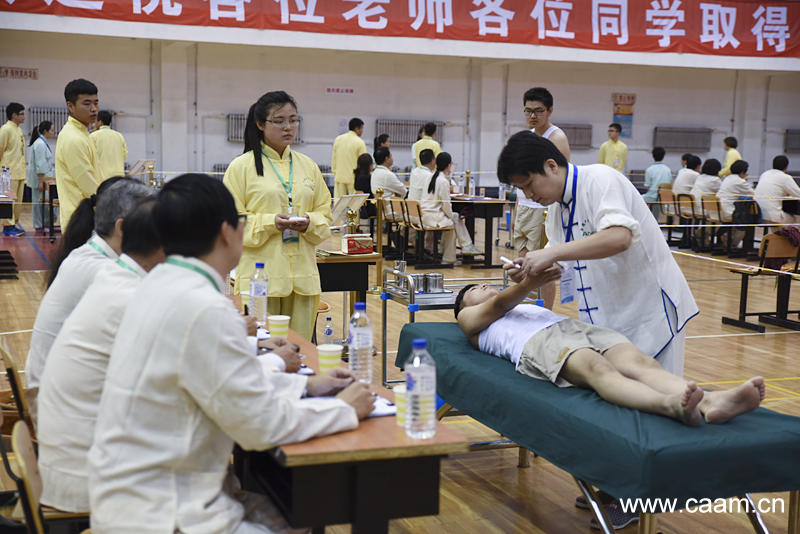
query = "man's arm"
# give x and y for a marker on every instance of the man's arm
(601, 158)
(559, 138)
(604, 244)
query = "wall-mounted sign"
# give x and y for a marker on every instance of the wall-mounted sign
(623, 111)
(19, 74)
(340, 90)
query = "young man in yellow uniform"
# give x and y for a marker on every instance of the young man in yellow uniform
(346, 149)
(77, 166)
(731, 155)
(12, 155)
(111, 148)
(614, 152)
(427, 142)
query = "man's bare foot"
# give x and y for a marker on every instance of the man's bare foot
(722, 406)
(685, 405)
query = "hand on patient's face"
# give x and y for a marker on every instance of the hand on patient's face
(250, 322)
(359, 397)
(330, 383)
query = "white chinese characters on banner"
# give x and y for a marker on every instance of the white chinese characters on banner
(774, 28)
(308, 16)
(79, 4)
(718, 25)
(492, 18)
(237, 11)
(167, 7)
(610, 17)
(665, 17)
(364, 10)
(558, 16)
(438, 12)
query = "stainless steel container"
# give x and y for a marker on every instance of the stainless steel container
(434, 283)
(400, 266)
(419, 281)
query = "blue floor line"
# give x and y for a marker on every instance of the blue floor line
(36, 248)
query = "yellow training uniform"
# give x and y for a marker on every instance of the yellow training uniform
(12, 143)
(425, 143)
(294, 285)
(77, 168)
(111, 151)
(613, 154)
(730, 158)
(346, 149)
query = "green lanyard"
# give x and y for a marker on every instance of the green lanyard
(126, 266)
(195, 268)
(98, 248)
(291, 175)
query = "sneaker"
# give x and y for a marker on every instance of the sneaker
(10, 231)
(604, 497)
(456, 263)
(20, 229)
(471, 250)
(618, 518)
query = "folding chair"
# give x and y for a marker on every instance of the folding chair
(670, 209)
(712, 210)
(414, 221)
(685, 205)
(12, 372)
(772, 246)
(29, 484)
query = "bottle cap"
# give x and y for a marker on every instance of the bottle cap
(419, 344)
(259, 265)
(360, 306)
(329, 318)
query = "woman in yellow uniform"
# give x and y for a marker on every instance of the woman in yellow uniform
(288, 208)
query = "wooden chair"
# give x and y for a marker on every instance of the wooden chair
(29, 484)
(669, 208)
(772, 246)
(394, 220)
(12, 372)
(685, 204)
(414, 220)
(712, 210)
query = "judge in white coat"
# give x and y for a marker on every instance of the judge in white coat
(92, 240)
(617, 264)
(707, 183)
(182, 387)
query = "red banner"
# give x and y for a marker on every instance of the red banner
(730, 28)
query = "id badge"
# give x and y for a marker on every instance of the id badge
(567, 285)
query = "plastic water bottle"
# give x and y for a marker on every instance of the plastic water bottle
(461, 185)
(259, 289)
(420, 392)
(472, 188)
(6, 174)
(502, 192)
(360, 344)
(328, 335)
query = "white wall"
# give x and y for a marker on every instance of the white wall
(188, 137)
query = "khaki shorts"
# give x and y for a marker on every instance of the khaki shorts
(528, 228)
(547, 351)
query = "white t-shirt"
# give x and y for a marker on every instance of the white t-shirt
(506, 337)
(523, 200)
(418, 181)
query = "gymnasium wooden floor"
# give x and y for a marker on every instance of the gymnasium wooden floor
(484, 492)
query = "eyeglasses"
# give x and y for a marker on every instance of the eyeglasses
(538, 112)
(294, 123)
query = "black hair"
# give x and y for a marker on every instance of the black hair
(78, 87)
(426, 156)
(362, 175)
(113, 200)
(739, 166)
(381, 153)
(617, 126)
(190, 212)
(382, 138)
(139, 232)
(781, 163)
(13, 109)
(35, 133)
(443, 160)
(659, 153)
(421, 132)
(104, 117)
(355, 123)
(538, 94)
(711, 167)
(526, 153)
(460, 299)
(259, 112)
(693, 162)
(430, 129)
(686, 157)
(731, 142)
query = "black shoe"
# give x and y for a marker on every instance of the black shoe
(618, 518)
(604, 497)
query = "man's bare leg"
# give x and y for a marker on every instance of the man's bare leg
(549, 294)
(588, 369)
(717, 406)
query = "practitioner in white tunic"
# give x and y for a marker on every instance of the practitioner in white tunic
(617, 264)
(182, 387)
(99, 220)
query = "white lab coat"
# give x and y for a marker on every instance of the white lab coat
(772, 188)
(704, 185)
(182, 386)
(684, 181)
(729, 192)
(69, 394)
(628, 292)
(418, 182)
(74, 276)
(383, 178)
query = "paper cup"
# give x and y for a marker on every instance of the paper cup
(400, 402)
(279, 325)
(330, 357)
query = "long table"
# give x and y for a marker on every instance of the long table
(488, 210)
(347, 272)
(365, 477)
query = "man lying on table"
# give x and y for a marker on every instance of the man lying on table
(569, 352)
